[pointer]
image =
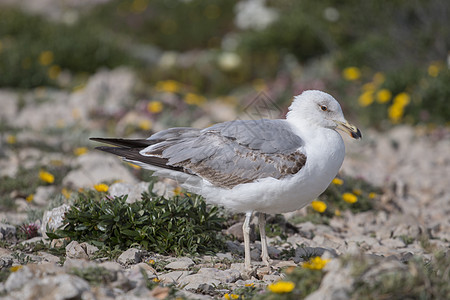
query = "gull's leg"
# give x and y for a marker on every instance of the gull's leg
(246, 231)
(262, 231)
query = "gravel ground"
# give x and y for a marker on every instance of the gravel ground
(410, 164)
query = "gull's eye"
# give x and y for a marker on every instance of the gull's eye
(323, 107)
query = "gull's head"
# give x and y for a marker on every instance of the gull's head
(321, 109)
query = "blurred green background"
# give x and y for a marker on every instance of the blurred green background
(387, 62)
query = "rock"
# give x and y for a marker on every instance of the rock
(130, 256)
(235, 247)
(134, 192)
(261, 272)
(393, 243)
(53, 113)
(269, 278)
(364, 242)
(9, 101)
(53, 219)
(181, 263)
(34, 240)
(151, 272)
(43, 195)
(255, 254)
(6, 260)
(61, 286)
(18, 279)
(83, 250)
(111, 265)
(136, 277)
(47, 257)
(223, 256)
(285, 263)
(77, 263)
(207, 277)
(108, 89)
(174, 276)
(7, 231)
(95, 168)
(336, 285)
(236, 231)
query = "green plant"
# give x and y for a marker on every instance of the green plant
(305, 282)
(418, 280)
(34, 50)
(160, 22)
(26, 181)
(180, 225)
(4, 274)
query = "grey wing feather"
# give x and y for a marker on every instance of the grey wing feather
(231, 153)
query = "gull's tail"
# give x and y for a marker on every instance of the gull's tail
(129, 150)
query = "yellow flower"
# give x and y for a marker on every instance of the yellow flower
(15, 268)
(349, 198)
(11, 139)
(46, 176)
(156, 280)
(45, 58)
(357, 192)
(194, 99)
(170, 86)
(134, 166)
(281, 287)
(29, 198)
(250, 284)
(379, 78)
(372, 195)
(434, 69)
(101, 187)
(66, 193)
(80, 151)
(145, 125)
(338, 181)
(54, 71)
(155, 107)
(231, 296)
(319, 206)
(337, 212)
(368, 87)
(151, 261)
(56, 162)
(395, 112)
(384, 95)
(402, 99)
(316, 263)
(365, 99)
(351, 73)
(177, 191)
(139, 6)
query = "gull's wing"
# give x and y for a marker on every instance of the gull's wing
(230, 153)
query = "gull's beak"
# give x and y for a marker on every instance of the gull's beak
(349, 128)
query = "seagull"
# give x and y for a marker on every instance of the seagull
(251, 166)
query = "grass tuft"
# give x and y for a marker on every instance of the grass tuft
(176, 226)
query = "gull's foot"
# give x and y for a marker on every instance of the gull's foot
(266, 260)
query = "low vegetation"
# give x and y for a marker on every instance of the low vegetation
(177, 226)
